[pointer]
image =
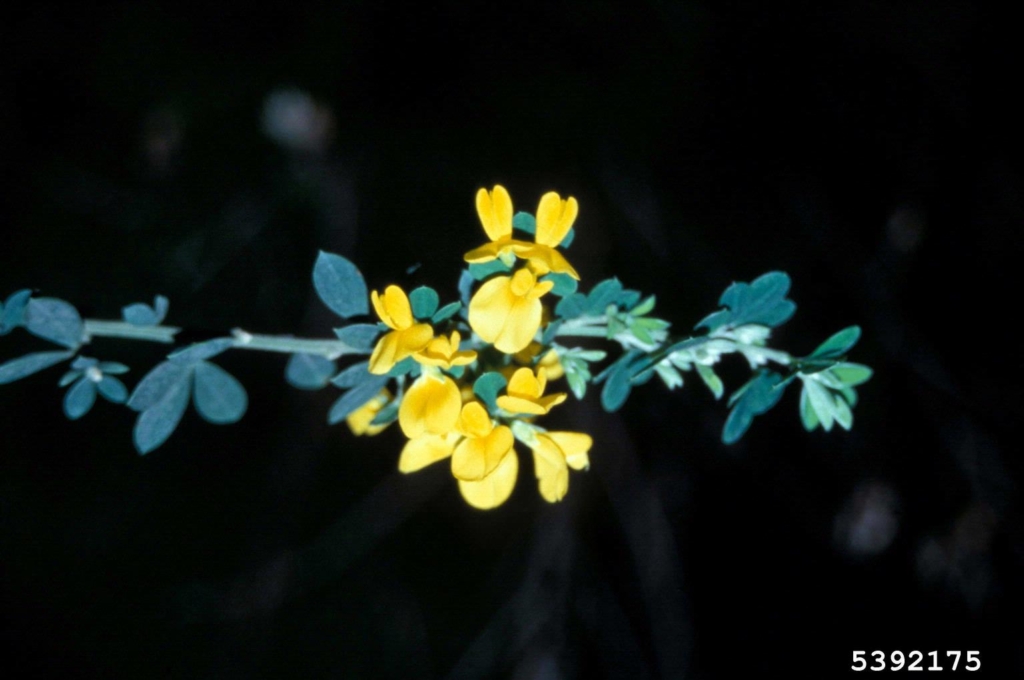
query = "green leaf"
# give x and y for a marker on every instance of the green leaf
(549, 334)
(14, 308)
(843, 414)
(340, 285)
(852, 374)
(564, 284)
(309, 371)
(359, 336)
(446, 312)
(644, 307)
(807, 415)
(616, 388)
(54, 320)
(570, 236)
(155, 385)
(112, 389)
(403, 367)
(24, 366)
(602, 295)
(388, 414)
(68, 378)
(524, 221)
(481, 270)
(577, 383)
(762, 302)
(572, 306)
(822, 402)
(465, 286)
(79, 399)
(487, 387)
(156, 423)
(356, 397)
(201, 351)
(141, 314)
(112, 368)
(81, 363)
(753, 399)
(218, 396)
(353, 375)
(424, 301)
(838, 345)
(711, 379)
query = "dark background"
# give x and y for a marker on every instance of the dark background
(868, 149)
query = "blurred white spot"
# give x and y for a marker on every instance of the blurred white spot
(867, 523)
(296, 121)
(905, 229)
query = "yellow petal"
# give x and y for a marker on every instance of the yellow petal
(359, 420)
(495, 211)
(550, 469)
(488, 310)
(475, 458)
(574, 446)
(383, 358)
(521, 325)
(431, 405)
(551, 365)
(525, 384)
(474, 420)
(522, 282)
(544, 259)
(549, 402)
(554, 218)
(520, 405)
(484, 253)
(495, 488)
(424, 450)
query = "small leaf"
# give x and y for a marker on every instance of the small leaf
(822, 402)
(564, 284)
(81, 363)
(218, 395)
(353, 375)
(407, 365)
(762, 301)
(852, 374)
(616, 389)
(68, 378)
(201, 351)
(843, 414)
(465, 286)
(572, 306)
(14, 308)
(838, 345)
(577, 383)
(340, 285)
(644, 307)
(550, 333)
(309, 371)
(112, 389)
(446, 312)
(807, 415)
(24, 366)
(54, 320)
(602, 295)
(161, 305)
(155, 424)
(139, 314)
(487, 387)
(481, 270)
(155, 385)
(112, 368)
(356, 397)
(756, 397)
(388, 414)
(79, 399)
(525, 222)
(424, 301)
(711, 379)
(361, 337)
(570, 236)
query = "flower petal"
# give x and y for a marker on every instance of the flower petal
(488, 310)
(555, 218)
(424, 450)
(495, 488)
(551, 471)
(475, 458)
(520, 405)
(495, 211)
(474, 421)
(431, 405)
(396, 308)
(359, 420)
(574, 446)
(383, 358)
(525, 384)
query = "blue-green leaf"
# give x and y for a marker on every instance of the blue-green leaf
(359, 336)
(807, 415)
(68, 378)
(309, 371)
(112, 389)
(54, 320)
(155, 385)
(81, 363)
(838, 345)
(340, 285)
(141, 314)
(564, 284)
(218, 395)
(487, 387)
(753, 399)
(570, 236)
(24, 366)
(711, 379)
(852, 374)
(465, 286)
(616, 388)
(353, 375)
(201, 351)
(822, 402)
(525, 222)
(602, 295)
(481, 270)
(356, 397)
(407, 365)
(79, 399)
(112, 368)
(388, 414)
(14, 310)
(156, 423)
(446, 312)
(424, 301)
(572, 306)
(763, 302)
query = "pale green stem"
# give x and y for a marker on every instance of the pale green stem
(332, 349)
(122, 329)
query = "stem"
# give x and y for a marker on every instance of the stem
(332, 349)
(583, 331)
(123, 329)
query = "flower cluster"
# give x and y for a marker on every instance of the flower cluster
(471, 401)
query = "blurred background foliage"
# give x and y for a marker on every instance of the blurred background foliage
(868, 149)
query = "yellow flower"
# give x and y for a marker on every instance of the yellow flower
(553, 455)
(525, 391)
(549, 361)
(430, 406)
(359, 420)
(444, 353)
(495, 488)
(484, 447)
(554, 219)
(406, 337)
(506, 310)
(426, 449)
